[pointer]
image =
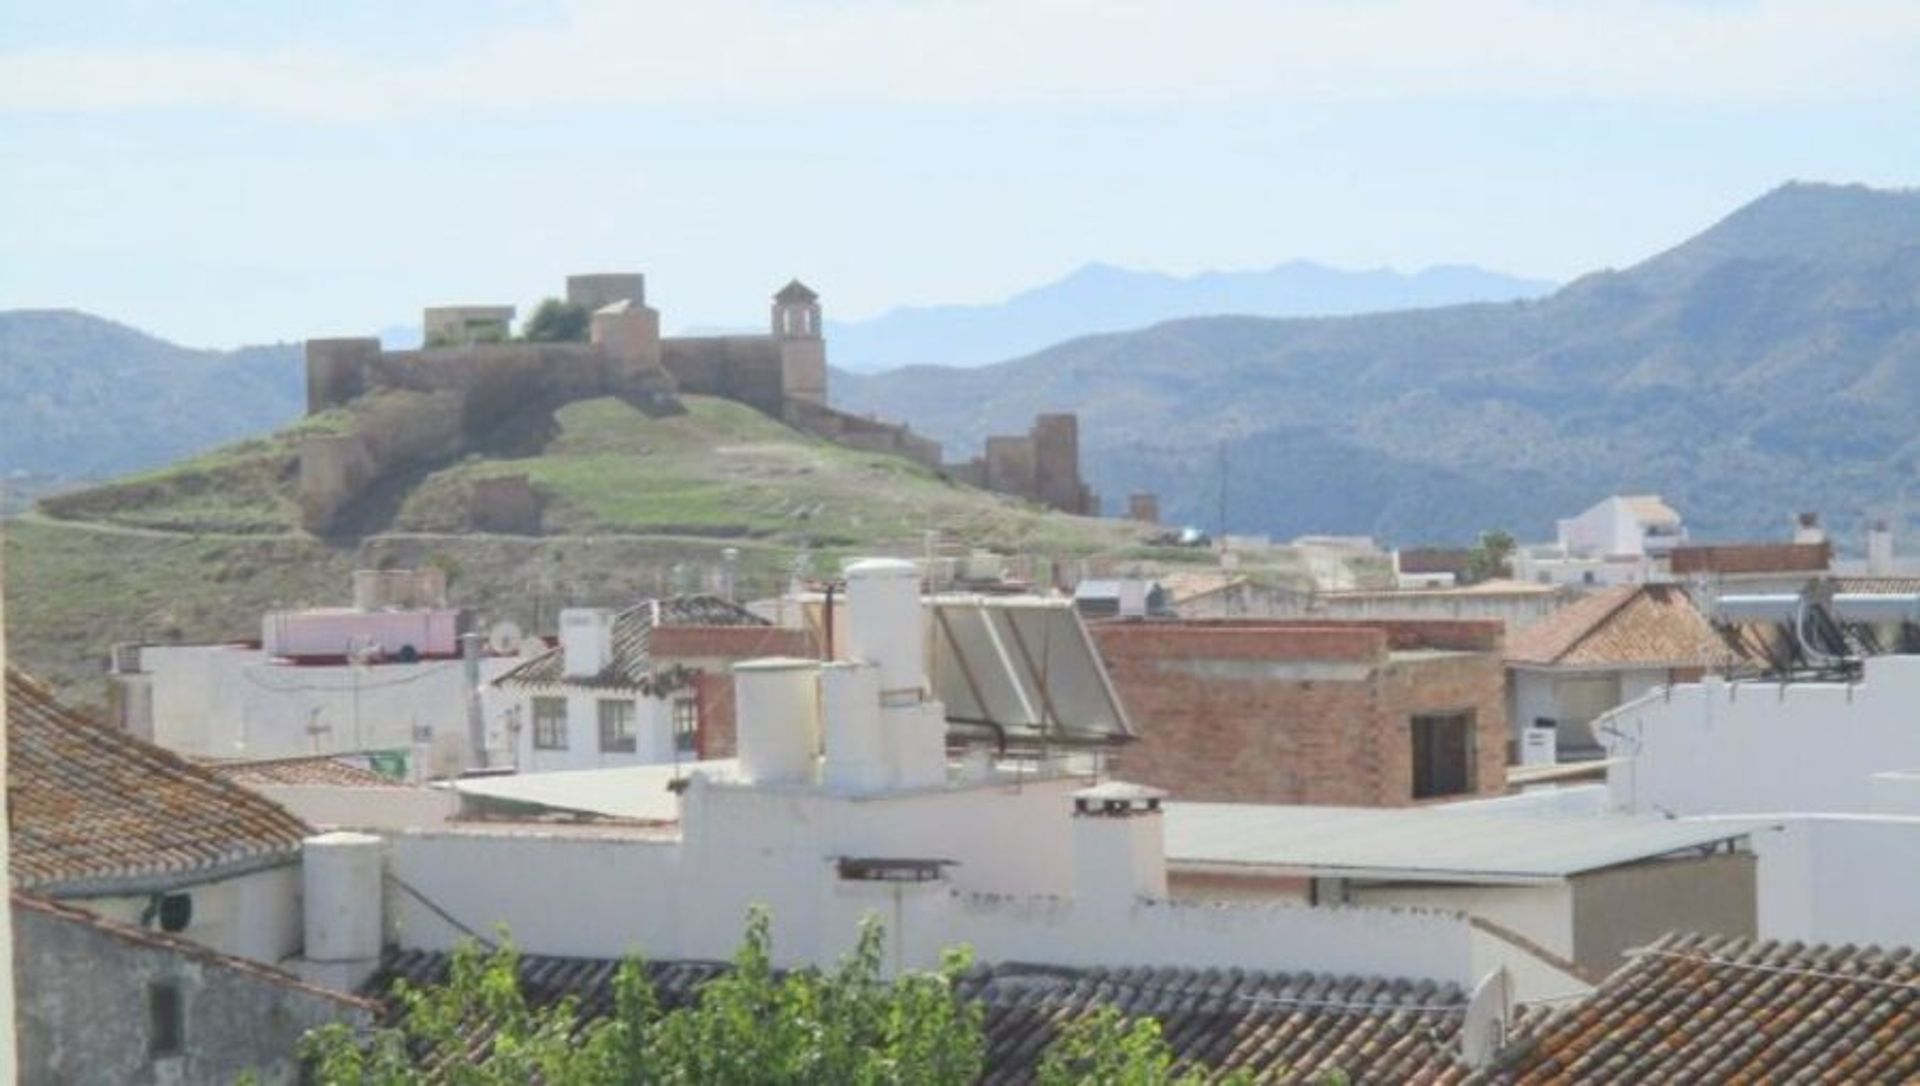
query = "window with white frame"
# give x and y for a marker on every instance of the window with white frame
(549, 723)
(616, 727)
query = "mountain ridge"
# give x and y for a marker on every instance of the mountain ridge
(1743, 372)
(1100, 297)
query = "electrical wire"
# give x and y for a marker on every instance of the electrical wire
(1787, 970)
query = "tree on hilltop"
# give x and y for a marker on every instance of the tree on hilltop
(555, 321)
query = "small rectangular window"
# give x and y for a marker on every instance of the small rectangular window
(1443, 754)
(686, 725)
(616, 727)
(550, 723)
(166, 1012)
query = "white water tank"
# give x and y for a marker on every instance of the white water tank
(340, 883)
(855, 743)
(885, 624)
(916, 743)
(777, 718)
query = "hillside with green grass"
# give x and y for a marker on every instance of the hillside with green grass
(633, 505)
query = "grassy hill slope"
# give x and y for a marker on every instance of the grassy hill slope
(635, 505)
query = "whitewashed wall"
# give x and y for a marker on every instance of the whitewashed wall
(1720, 747)
(224, 701)
(254, 916)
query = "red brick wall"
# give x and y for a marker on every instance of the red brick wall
(712, 650)
(1446, 685)
(718, 734)
(1229, 639)
(1294, 713)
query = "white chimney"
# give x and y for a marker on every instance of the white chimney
(1119, 843)
(586, 641)
(1806, 529)
(777, 715)
(853, 738)
(340, 882)
(1133, 598)
(1879, 549)
(885, 624)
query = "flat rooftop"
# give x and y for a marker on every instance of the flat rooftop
(1427, 844)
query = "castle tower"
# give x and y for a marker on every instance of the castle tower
(803, 351)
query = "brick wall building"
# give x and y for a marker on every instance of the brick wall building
(1375, 714)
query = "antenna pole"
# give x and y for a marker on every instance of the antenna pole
(1220, 523)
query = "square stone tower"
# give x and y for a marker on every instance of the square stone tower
(803, 350)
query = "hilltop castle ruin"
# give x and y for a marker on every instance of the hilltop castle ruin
(422, 406)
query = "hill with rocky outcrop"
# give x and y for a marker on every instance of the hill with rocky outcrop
(1770, 364)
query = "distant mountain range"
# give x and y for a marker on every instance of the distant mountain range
(1103, 298)
(85, 398)
(1768, 365)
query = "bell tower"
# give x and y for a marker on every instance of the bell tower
(803, 351)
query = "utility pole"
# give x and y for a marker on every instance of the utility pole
(1220, 524)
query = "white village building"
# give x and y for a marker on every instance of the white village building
(843, 801)
(1614, 542)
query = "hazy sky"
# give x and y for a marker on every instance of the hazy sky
(222, 172)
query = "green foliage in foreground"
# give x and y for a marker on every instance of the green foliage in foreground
(749, 1026)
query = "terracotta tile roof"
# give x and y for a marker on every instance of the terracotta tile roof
(185, 948)
(1278, 1026)
(1696, 1008)
(322, 769)
(95, 811)
(1726, 558)
(1877, 585)
(1624, 626)
(632, 628)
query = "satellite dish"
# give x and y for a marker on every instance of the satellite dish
(505, 639)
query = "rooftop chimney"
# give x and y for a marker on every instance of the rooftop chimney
(586, 641)
(1119, 843)
(1879, 549)
(1806, 529)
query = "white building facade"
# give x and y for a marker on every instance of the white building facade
(1828, 762)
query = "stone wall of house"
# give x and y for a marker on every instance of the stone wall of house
(1315, 713)
(85, 1009)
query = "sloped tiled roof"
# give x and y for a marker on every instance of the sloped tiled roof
(796, 291)
(1695, 1008)
(1278, 1026)
(319, 769)
(96, 811)
(1877, 585)
(632, 629)
(1652, 625)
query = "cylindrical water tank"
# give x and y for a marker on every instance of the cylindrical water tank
(855, 743)
(340, 880)
(777, 718)
(885, 623)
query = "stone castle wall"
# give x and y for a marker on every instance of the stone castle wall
(413, 407)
